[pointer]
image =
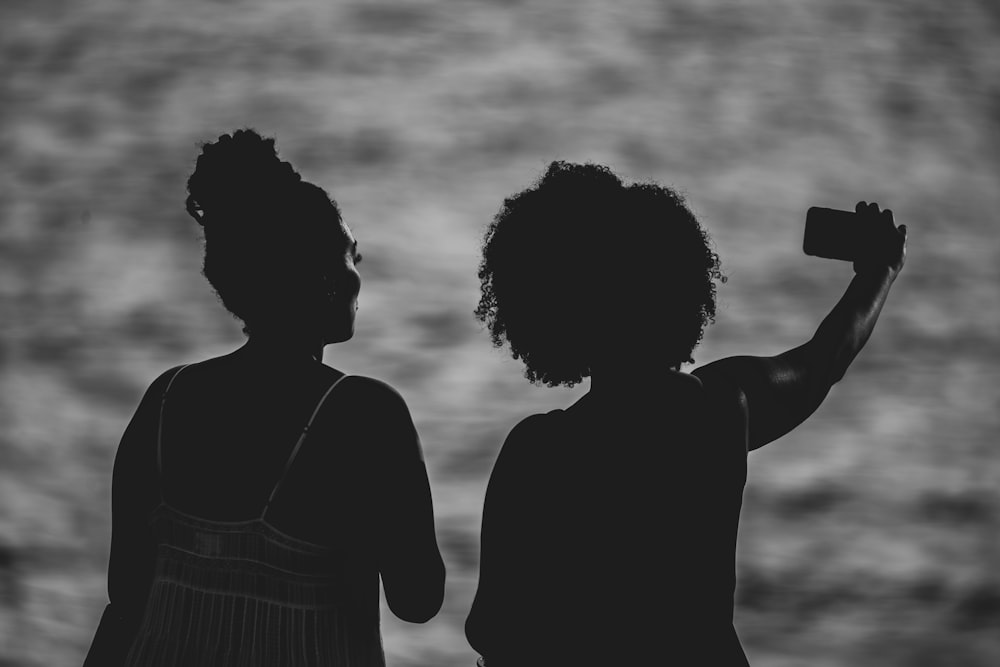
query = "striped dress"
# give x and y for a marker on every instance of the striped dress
(243, 593)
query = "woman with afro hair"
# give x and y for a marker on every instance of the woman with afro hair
(609, 528)
(258, 497)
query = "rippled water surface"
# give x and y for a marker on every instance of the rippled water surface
(870, 536)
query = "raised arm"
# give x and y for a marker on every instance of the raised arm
(781, 392)
(409, 560)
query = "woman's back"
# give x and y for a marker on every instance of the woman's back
(232, 588)
(611, 526)
(246, 539)
(243, 593)
(239, 535)
(609, 533)
(230, 426)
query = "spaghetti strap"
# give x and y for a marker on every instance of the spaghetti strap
(159, 430)
(298, 445)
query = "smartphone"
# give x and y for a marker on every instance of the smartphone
(836, 234)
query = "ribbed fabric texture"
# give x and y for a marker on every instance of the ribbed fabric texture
(242, 593)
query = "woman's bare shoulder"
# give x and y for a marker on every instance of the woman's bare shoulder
(370, 392)
(718, 386)
(158, 387)
(725, 404)
(378, 414)
(526, 443)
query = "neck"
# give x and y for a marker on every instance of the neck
(637, 377)
(283, 346)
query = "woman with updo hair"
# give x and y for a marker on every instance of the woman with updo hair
(609, 527)
(258, 497)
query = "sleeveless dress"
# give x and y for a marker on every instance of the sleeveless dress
(243, 593)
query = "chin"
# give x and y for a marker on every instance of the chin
(339, 336)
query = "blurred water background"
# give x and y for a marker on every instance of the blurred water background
(870, 536)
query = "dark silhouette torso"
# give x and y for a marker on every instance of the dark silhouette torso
(230, 426)
(228, 429)
(205, 569)
(611, 532)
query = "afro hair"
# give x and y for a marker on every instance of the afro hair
(580, 260)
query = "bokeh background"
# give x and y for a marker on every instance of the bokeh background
(870, 536)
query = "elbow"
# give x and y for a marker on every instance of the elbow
(473, 635)
(418, 616)
(420, 601)
(838, 368)
(416, 612)
(841, 358)
(481, 625)
(826, 365)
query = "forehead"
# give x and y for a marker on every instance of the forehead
(351, 243)
(337, 228)
(349, 235)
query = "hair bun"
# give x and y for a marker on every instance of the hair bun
(235, 175)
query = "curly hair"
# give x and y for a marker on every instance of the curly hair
(578, 247)
(269, 235)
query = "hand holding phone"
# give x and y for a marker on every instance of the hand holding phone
(867, 237)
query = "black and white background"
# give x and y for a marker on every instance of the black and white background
(870, 536)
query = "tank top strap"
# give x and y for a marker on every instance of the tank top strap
(159, 429)
(298, 444)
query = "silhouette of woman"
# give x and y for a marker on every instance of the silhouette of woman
(257, 497)
(609, 528)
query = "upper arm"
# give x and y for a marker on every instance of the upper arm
(507, 493)
(134, 492)
(506, 560)
(778, 393)
(385, 425)
(405, 543)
